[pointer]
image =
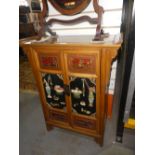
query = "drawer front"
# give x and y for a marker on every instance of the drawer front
(58, 116)
(81, 63)
(84, 123)
(49, 61)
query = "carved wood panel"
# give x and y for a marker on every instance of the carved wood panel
(58, 116)
(48, 61)
(84, 123)
(81, 63)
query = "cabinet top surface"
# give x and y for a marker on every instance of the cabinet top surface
(70, 41)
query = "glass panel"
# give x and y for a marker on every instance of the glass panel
(54, 90)
(83, 95)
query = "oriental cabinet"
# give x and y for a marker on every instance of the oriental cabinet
(72, 80)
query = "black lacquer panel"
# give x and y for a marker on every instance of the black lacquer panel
(83, 95)
(54, 90)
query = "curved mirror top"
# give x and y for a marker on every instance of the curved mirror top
(70, 7)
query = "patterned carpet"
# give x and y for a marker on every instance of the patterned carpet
(26, 78)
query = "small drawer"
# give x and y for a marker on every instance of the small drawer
(58, 116)
(49, 61)
(84, 123)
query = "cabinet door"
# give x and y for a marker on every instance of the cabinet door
(83, 74)
(52, 79)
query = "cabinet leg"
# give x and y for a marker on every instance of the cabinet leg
(49, 127)
(99, 140)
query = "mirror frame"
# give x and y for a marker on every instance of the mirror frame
(70, 11)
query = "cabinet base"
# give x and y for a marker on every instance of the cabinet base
(99, 141)
(49, 127)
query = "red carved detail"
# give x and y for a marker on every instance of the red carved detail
(81, 62)
(84, 64)
(49, 61)
(85, 61)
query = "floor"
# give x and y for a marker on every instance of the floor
(36, 140)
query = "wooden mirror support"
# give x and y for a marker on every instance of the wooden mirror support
(45, 24)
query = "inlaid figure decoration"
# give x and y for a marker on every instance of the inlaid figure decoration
(71, 8)
(54, 90)
(83, 95)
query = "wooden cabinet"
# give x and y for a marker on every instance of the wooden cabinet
(72, 79)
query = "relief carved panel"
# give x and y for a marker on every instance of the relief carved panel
(82, 63)
(48, 61)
